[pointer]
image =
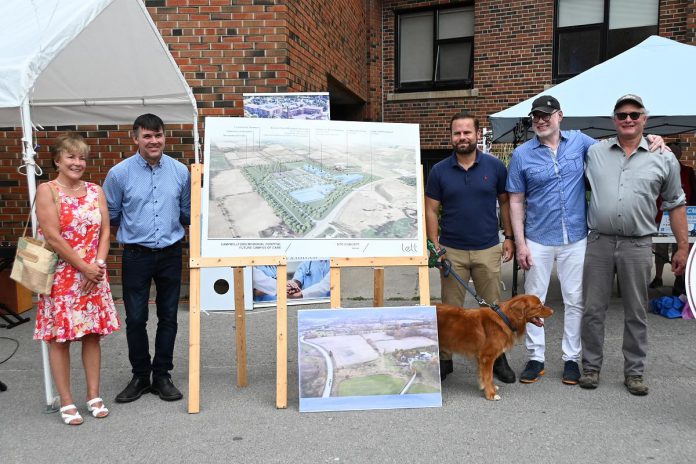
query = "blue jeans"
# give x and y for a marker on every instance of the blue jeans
(140, 267)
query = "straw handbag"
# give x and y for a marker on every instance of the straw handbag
(35, 261)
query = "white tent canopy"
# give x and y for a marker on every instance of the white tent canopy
(65, 62)
(660, 70)
(87, 62)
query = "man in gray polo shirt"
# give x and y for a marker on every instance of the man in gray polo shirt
(625, 180)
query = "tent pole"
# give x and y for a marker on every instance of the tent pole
(28, 157)
(196, 139)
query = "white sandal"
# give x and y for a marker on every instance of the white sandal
(69, 418)
(97, 410)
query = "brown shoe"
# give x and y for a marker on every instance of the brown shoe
(635, 386)
(589, 379)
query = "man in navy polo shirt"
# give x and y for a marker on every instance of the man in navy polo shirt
(467, 185)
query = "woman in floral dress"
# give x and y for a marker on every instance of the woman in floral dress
(74, 219)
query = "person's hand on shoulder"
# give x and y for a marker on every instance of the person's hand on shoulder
(657, 144)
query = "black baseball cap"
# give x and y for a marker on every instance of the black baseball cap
(546, 104)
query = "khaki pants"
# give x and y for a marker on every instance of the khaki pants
(483, 266)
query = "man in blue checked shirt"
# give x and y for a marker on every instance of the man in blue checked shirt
(547, 172)
(149, 198)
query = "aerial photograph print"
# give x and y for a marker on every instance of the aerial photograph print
(368, 358)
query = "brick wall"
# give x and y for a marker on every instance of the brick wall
(224, 48)
(513, 53)
(678, 22)
(513, 45)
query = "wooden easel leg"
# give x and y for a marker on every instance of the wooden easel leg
(195, 292)
(378, 300)
(424, 285)
(240, 324)
(335, 287)
(194, 341)
(282, 338)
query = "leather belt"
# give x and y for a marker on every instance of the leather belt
(135, 246)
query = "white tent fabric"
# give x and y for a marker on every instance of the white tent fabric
(87, 62)
(84, 62)
(660, 70)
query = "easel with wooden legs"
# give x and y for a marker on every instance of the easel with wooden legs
(196, 263)
(379, 264)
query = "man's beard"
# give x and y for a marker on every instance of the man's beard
(465, 149)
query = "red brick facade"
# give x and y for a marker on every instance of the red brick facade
(513, 52)
(229, 47)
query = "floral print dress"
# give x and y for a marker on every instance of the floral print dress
(68, 313)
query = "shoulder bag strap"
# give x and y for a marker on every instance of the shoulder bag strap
(54, 194)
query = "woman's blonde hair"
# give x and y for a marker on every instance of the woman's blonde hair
(68, 142)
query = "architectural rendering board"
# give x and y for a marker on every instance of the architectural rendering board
(311, 189)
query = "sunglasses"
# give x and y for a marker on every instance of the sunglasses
(634, 115)
(542, 116)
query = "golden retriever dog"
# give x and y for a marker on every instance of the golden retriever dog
(483, 335)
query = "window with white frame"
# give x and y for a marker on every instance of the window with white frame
(589, 32)
(435, 49)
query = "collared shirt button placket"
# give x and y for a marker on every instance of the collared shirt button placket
(155, 207)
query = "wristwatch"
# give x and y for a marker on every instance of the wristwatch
(100, 262)
(510, 237)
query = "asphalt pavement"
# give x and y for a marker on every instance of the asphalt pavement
(545, 422)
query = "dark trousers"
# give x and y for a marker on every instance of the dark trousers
(140, 267)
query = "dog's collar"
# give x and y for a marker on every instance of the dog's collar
(502, 315)
(446, 266)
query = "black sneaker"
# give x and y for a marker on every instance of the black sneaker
(571, 373)
(532, 372)
(502, 370)
(446, 367)
(656, 283)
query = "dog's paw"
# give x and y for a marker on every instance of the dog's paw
(496, 397)
(481, 387)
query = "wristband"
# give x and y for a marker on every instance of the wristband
(100, 262)
(510, 237)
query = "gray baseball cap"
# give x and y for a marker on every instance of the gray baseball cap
(629, 98)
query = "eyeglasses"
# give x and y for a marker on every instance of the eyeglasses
(634, 115)
(542, 116)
